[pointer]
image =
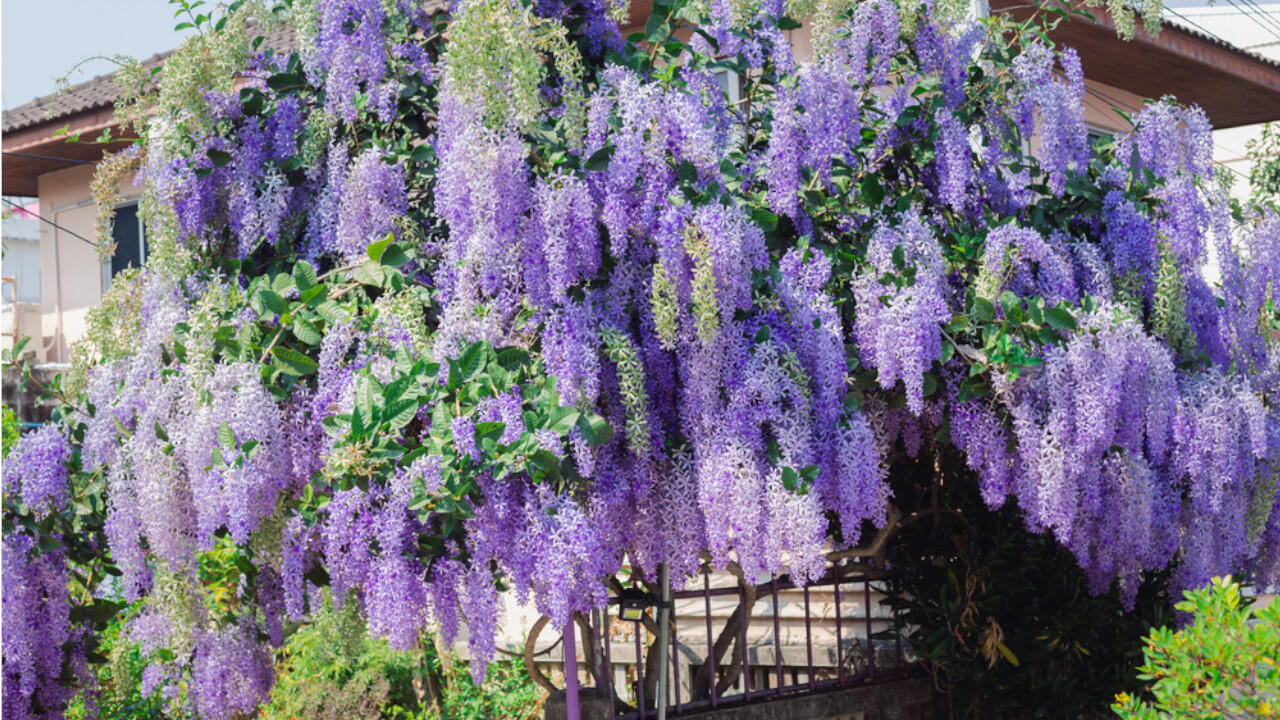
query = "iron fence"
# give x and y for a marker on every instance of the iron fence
(733, 643)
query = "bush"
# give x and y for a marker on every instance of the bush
(1224, 664)
(333, 669)
(1001, 617)
(11, 431)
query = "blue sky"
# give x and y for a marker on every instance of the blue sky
(43, 39)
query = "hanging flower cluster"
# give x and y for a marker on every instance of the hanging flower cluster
(428, 313)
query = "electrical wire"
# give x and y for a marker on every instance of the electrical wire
(1195, 25)
(1115, 104)
(1250, 14)
(55, 225)
(1263, 13)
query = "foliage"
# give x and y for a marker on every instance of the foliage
(121, 692)
(1264, 176)
(416, 335)
(332, 669)
(1224, 664)
(507, 692)
(1000, 617)
(329, 668)
(11, 432)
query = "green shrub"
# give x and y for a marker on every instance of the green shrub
(331, 669)
(119, 680)
(1225, 664)
(507, 693)
(10, 430)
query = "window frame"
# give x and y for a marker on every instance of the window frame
(107, 274)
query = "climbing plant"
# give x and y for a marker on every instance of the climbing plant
(445, 304)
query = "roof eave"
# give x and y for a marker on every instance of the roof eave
(1233, 86)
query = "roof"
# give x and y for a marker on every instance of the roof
(33, 145)
(1233, 86)
(102, 91)
(1212, 39)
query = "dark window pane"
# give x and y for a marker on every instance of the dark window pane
(127, 235)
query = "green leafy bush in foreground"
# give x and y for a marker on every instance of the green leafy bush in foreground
(1225, 664)
(332, 669)
(10, 431)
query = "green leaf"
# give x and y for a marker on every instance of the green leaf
(440, 419)
(1060, 318)
(656, 30)
(304, 275)
(512, 357)
(562, 419)
(220, 158)
(306, 331)
(983, 309)
(273, 301)
(246, 567)
(401, 413)
(100, 611)
(471, 361)
(370, 273)
(363, 400)
(394, 256)
(292, 362)
(284, 81)
(546, 463)
(396, 389)
(226, 437)
(484, 429)
(872, 190)
(313, 296)
(336, 424)
(1012, 306)
(767, 221)
(599, 160)
(595, 429)
(377, 248)
(790, 479)
(331, 311)
(282, 283)
(423, 153)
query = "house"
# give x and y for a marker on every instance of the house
(50, 152)
(1235, 87)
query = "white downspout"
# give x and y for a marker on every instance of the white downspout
(57, 273)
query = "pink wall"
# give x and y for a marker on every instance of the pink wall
(71, 273)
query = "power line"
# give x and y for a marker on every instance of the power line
(37, 156)
(1195, 24)
(1117, 105)
(55, 225)
(1263, 14)
(1250, 14)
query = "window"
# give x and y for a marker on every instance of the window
(131, 245)
(731, 84)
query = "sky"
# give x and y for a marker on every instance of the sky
(41, 40)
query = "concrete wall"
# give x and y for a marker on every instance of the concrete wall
(910, 699)
(72, 276)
